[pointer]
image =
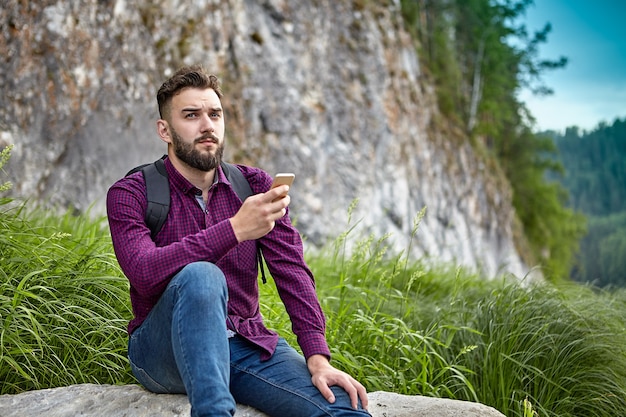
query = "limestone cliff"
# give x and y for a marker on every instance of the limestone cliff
(331, 90)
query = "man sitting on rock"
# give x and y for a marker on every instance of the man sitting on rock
(197, 328)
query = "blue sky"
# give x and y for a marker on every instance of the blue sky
(592, 88)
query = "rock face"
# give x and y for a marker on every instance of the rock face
(133, 401)
(331, 90)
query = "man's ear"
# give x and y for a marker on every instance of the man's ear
(163, 130)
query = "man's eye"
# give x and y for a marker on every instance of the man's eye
(191, 115)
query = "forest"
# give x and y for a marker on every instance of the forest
(569, 190)
(594, 174)
(480, 55)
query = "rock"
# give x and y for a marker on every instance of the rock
(331, 90)
(388, 404)
(90, 400)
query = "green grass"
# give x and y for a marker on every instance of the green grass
(63, 302)
(393, 323)
(526, 350)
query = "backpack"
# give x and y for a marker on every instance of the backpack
(158, 195)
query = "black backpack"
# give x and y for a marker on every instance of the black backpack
(158, 195)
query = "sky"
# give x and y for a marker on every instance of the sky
(592, 87)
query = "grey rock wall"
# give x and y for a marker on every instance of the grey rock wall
(89, 400)
(331, 90)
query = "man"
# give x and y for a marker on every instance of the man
(197, 328)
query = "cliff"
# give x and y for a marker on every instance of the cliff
(331, 90)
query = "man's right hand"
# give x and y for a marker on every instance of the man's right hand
(258, 214)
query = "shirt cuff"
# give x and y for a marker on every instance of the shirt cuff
(315, 344)
(227, 234)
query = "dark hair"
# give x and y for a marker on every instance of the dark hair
(194, 76)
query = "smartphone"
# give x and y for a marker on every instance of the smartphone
(283, 178)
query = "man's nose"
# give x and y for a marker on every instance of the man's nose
(207, 124)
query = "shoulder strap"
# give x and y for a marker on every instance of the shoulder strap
(157, 194)
(238, 181)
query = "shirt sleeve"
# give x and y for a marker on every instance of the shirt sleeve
(284, 255)
(148, 267)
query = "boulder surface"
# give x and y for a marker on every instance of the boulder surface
(90, 400)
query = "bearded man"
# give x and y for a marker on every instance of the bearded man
(197, 328)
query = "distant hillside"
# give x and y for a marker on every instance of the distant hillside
(595, 177)
(595, 165)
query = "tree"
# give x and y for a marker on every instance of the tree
(478, 84)
(595, 176)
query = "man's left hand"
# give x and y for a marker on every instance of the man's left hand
(324, 376)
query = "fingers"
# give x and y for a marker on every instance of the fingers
(277, 193)
(326, 392)
(324, 375)
(362, 393)
(355, 391)
(258, 214)
(279, 200)
(353, 388)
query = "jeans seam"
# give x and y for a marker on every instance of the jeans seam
(142, 371)
(146, 374)
(183, 351)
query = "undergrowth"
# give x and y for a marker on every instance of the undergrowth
(392, 322)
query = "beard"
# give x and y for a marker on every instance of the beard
(203, 161)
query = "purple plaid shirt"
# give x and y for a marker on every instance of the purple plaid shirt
(192, 234)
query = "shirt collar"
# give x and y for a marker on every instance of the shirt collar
(180, 182)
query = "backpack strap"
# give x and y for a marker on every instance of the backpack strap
(157, 194)
(237, 180)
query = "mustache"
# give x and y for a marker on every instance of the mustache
(206, 136)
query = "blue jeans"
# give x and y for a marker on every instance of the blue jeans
(177, 349)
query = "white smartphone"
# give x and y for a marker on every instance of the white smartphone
(283, 178)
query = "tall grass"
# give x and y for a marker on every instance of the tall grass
(393, 323)
(371, 321)
(542, 344)
(63, 301)
(442, 331)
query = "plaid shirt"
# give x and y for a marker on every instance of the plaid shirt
(192, 234)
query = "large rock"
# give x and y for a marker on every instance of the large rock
(89, 400)
(332, 90)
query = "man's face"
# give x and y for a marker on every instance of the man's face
(196, 128)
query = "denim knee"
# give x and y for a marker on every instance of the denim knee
(203, 280)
